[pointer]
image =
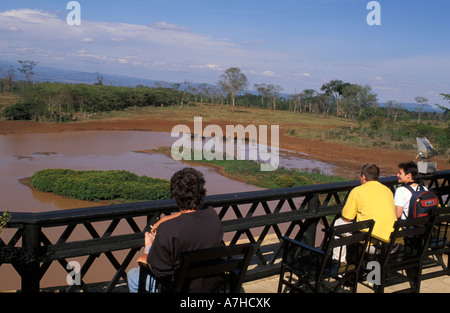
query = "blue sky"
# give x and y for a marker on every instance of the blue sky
(297, 44)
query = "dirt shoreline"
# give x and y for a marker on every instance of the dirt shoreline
(348, 159)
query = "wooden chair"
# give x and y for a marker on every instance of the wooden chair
(227, 265)
(440, 241)
(405, 251)
(310, 269)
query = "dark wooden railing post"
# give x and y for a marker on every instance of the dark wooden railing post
(30, 267)
(309, 236)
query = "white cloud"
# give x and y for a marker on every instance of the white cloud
(125, 48)
(27, 16)
(269, 73)
(162, 50)
(167, 26)
(208, 66)
(87, 39)
(14, 29)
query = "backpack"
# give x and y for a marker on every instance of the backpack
(422, 201)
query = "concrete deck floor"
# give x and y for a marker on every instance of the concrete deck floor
(433, 285)
(270, 284)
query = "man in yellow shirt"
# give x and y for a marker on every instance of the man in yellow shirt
(371, 200)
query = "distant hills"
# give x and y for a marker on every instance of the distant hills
(52, 74)
(414, 107)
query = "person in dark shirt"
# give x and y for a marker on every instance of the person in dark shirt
(194, 227)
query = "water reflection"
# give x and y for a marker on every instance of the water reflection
(21, 155)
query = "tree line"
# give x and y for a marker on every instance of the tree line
(385, 125)
(58, 101)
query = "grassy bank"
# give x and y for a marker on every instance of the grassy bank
(373, 133)
(101, 185)
(250, 172)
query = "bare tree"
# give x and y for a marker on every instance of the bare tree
(222, 89)
(27, 69)
(274, 91)
(203, 89)
(263, 91)
(9, 78)
(421, 102)
(187, 88)
(297, 96)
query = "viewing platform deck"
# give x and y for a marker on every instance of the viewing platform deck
(35, 243)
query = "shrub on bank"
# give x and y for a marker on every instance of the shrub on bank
(101, 185)
(284, 181)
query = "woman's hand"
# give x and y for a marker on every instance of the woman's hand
(149, 238)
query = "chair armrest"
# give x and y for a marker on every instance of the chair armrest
(302, 245)
(144, 271)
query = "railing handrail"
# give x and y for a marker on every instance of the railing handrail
(306, 205)
(73, 215)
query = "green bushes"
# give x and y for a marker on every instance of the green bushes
(100, 185)
(284, 181)
(250, 172)
(58, 102)
(16, 111)
(4, 219)
(386, 134)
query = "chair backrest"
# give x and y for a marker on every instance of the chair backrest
(313, 266)
(352, 238)
(413, 236)
(230, 262)
(440, 237)
(344, 235)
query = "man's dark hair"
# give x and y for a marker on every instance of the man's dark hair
(409, 168)
(187, 188)
(371, 171)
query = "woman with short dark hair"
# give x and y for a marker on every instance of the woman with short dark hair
(194, 227)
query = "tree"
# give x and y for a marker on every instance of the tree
(323, 100)
(356, 98)
(263, 91)
(336, 88)
(27, 69)
(446, 113)
(393, 109)
(235, 81)
(421, 102)
(297, 96)
(223, 90)
(203, 88)
(309, 95)
(274, 91)
(187, 88)
(99, 80)
(444, 139)
(9, 79)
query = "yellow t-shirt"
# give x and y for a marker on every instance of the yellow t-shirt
(372, 200)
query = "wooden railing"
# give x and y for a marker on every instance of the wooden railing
(259, 217)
